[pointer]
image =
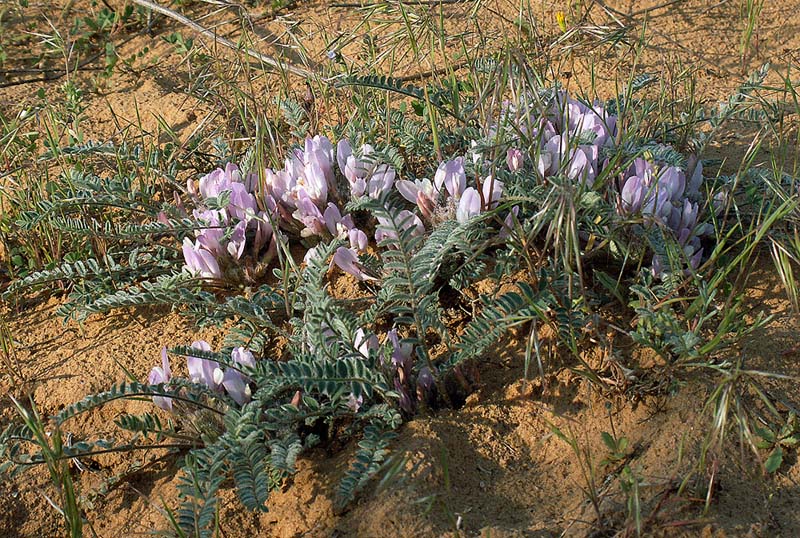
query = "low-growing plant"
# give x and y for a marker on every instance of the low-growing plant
(487, 181)
(776, 439)
(53, 453)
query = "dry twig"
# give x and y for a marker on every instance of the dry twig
(205, 32)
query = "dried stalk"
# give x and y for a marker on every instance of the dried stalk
(205, 32)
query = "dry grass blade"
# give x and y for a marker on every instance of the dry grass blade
(205, 32)
(8, 352)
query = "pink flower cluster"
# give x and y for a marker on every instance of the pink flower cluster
(662, 195)
(569, 137)
(399, 359)
(223, 233)
(210, 373)
(395, 355)
(302, 199)
(308, 200)
(448, 195)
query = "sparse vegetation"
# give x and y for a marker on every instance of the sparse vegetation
(367, 215)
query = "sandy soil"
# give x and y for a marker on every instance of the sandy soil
(493, 467)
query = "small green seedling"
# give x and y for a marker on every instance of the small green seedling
(618, 448)
(778, 439)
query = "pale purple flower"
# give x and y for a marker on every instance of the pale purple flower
(355, 169)
(405, 220)
(347, 260)
(314, 184)
(544, 131)
(309, 214)
(683, 218)
(204, 371)
(212, 235)
(380, 181)
(509, 222)
(410, 189)
(406, 403)
(492, 191)
(425, 378)
(333, 219)
(696, 258)
(469, 205)
(452, 176)
(694, 168)
(250, 182)
(271, 205)
(592, 153)
(364, 343)
(583, 120)
(652, 191)
(402, 360)
(211, 217)
(657, 267)
(426, 385)
(580, 167)
(235, 382)
(237, 386)
(579, 162)
(660, 193)
(242, 204)
(337, 225)
(191, 188)
(311, 254)
(343, 151)
(720, 201)
(673, 182)
(358, 240)
(278, 185)
(264, 231)
(319, 153)
(243, 357)
(514, 159)
(402, 353)
(544, 163)
(212, 184)
(656, 189)
(200, 261)
(161, 375)
(552, 154)
(421, 192)
(309, 170)
(643, 169)
(568, 114)
(353, 403)
(237, 240)
(294, 165)
(477, 156)
(635, 186)
(632, 195)
(657, 201)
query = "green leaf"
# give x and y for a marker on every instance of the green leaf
(766, 434)
(372, 450)
(774, 460)
(609, 441)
